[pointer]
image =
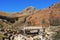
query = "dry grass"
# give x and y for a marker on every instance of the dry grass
(1, 36)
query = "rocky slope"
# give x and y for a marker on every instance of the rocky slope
(46, 17)
(34, 17)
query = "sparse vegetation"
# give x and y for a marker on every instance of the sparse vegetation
(31, 17)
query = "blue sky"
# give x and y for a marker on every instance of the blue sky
(19, 5)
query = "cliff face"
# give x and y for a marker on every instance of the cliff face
(40, 18)
(46, 17)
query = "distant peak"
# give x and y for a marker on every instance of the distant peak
(30, 8)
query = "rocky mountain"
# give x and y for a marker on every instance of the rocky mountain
(34, 17)
(46, 17)
(49, 17)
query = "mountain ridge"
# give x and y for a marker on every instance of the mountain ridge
(34, 16)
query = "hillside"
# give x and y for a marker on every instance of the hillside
(48, 18)
(34, 17)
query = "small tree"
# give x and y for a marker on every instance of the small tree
(43, 24)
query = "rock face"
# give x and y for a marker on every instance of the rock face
(46, 17)
(39, 18)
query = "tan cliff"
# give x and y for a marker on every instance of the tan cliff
(46, 17)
